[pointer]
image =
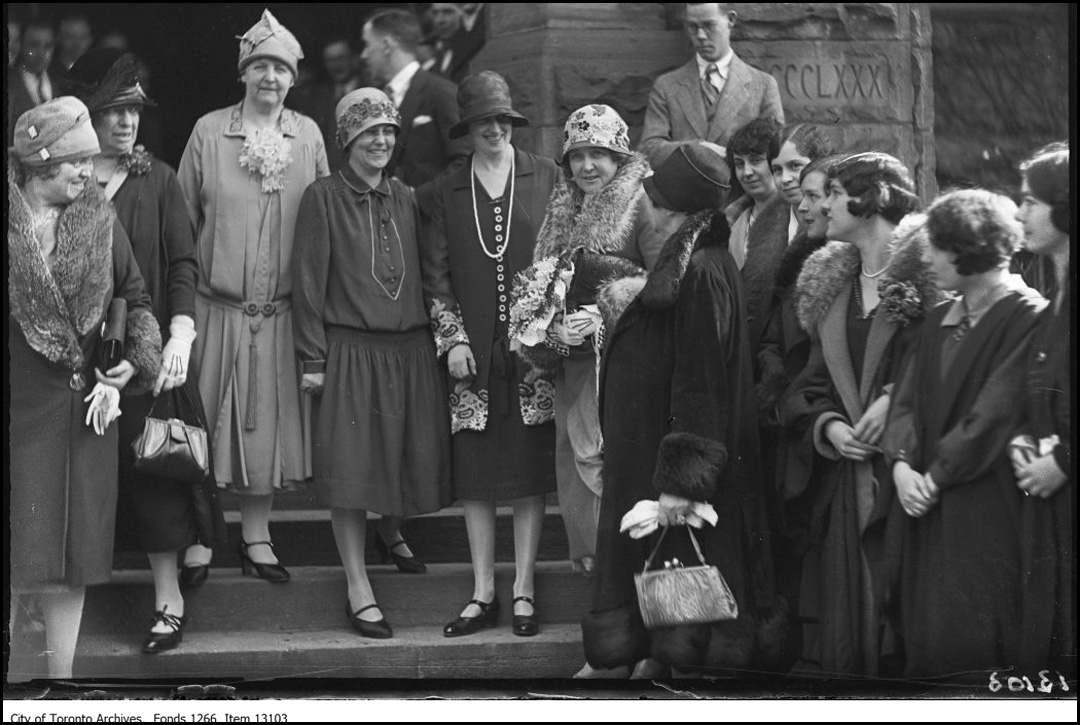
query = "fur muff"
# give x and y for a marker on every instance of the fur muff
(54, 308)
(689, 465)
(592, 272)
(614, 297)
(142, 348)
(614, 638)
(830, 271)
(598, 222)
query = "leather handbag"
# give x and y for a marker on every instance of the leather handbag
(683, 594)
(172, 448)
(113, 332)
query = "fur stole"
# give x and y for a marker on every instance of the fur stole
(661, 290)
(601, 222)
(801, 247)
(831, 271)
(56, 308)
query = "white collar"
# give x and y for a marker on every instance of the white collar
(722, 65)
(469, 21)
(399, 84)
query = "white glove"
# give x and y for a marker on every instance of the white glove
(104, 407)
(177, 352)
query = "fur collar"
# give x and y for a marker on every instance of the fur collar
(56, 308)
(597, 223)
(660, 290)
(791, 263)
(830, 271)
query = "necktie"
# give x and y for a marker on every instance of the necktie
(962, 329)
(708, 86)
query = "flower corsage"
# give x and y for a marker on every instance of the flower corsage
(900, 302)
(137, 162)
(267, 153)
(539, 293)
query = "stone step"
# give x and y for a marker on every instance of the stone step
(315, 599)
(413, 653)
(303, 537)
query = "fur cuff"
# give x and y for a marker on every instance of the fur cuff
(689, 465)
(142, 348)
(616, 296)
(614, 638)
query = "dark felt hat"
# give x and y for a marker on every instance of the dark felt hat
(694, 177)
(105, 78)
(483, 95)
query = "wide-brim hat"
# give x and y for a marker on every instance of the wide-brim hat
(483, 95)
(269, 39)
(598, 126)
(361, 109)
(693, 177)
(54, 132)
(105, 78)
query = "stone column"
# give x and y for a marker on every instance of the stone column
(864, 70)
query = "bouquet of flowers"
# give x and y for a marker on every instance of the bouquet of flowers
(900, 302)
(267, 153)
(539, 293)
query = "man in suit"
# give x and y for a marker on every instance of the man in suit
(319, 99)
(712, 95)
(29, 83)
(455, 44)
(427, 103)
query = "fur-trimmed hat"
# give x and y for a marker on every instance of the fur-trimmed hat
(54, 132)
(269, 39)
(105, 78)
(361, 109)
(689, 465)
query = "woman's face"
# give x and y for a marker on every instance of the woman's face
(116, 129)
(69, 182)
(785, 169)
(943, 269)
(1040, 234)
(753, 172)
(592, 168)
(369, 153)
(267, 82)
(491, 135)
(813, 193)
(842, 224)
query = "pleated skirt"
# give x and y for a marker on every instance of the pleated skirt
(381, 440)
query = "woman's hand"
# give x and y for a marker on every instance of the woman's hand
(581, 322)
(872, 423)
(566, 335)
(312, 383)
(842, 437)
(461, 363)
(911, 489)
(175, 356)
(118, 376)
(104, 407)
(674, 509)
(1022, 451)
(1041, 477)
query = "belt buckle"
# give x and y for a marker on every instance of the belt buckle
(251, 309)
(269, 309)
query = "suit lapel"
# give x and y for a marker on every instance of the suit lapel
(834, 346)
(690, 99)
(410, 104)
(732, 98)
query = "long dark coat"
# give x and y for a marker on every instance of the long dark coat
(955, 572)
(677, 361)
(150, 206)
(63, 475)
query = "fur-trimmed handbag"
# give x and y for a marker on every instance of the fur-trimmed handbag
(683, 594)
(172, 448)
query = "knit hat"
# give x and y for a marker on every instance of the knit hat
(596, 125)
(483, 95)
(105, 78)
(56, 131)
(361, 109)
(692, 178)
(269, 39)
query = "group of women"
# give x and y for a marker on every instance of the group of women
(880, 422)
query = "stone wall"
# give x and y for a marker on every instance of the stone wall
(863, 70)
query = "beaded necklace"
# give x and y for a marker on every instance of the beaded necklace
(501, 248)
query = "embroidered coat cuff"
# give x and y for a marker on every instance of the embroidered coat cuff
(448, 328)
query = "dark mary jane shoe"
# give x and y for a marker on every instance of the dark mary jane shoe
(273, 573)
(194, 575)
(526, 625)
(404, 564)
(489, 614)
(379, 629)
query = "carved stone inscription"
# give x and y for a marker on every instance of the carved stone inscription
(826, 81)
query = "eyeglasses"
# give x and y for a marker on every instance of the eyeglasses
(709, 26)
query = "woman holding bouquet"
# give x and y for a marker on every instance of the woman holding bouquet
(590, 235)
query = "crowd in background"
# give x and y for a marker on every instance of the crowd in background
(736, 342)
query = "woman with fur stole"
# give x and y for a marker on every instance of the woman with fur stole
(677, 399)
(860, 298)
(590, 235)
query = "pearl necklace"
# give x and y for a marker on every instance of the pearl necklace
(877, 273)
(500, 249)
